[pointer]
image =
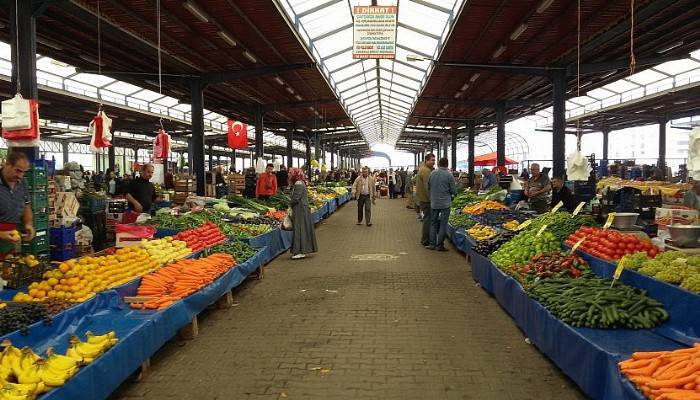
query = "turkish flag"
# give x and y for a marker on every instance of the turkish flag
(237, 134)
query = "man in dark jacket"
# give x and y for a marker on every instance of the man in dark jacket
(282, 178)
(251, 182)
(563, 194)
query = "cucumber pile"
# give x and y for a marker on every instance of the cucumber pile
(592, 303)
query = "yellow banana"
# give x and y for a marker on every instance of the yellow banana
(95, 339)
(23, 389)
(86, 350)
(30, 375)
(60, 362)
(51, 377)
(28, 358)
(10, 395)
(73, 354)
(9, 352)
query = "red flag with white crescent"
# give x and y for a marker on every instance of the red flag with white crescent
(237, 134)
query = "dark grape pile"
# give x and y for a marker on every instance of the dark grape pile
(20, 316)
(486, 247)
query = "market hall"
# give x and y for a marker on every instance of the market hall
(331, 199)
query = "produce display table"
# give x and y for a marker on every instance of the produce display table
(683, 306)
(588, 356)
(141, 333)
(271, 241)
(459, 239)
(317, 215)
(332, 206)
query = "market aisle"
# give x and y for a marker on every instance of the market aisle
(407, 325)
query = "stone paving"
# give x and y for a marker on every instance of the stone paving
(372, 316)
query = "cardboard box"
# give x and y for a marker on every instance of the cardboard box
(67, 204)
(684, 216)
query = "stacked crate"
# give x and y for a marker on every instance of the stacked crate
(115, 211)
(183, 189)
(38, 188)
(236, 183)
(53, 217)
(63, 245)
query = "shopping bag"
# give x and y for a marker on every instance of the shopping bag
(16, 113)
(287, 223)
(161, 146)
(101, 128)
(24, 137)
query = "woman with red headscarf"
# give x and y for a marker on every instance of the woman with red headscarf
(304, 238)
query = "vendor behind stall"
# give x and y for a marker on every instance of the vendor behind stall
(142, 193)
(562, 193)
(537, 188)
(691, 199)
(16, 212)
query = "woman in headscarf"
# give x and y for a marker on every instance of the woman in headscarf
(304, 237)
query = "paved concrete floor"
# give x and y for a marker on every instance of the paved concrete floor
(346, 324)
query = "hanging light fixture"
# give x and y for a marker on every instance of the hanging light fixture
(196, 11)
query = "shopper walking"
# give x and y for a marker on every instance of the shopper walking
(267, 183)
(391, 180)
(423, 196)
(398, 186)
(537, 188)
(363, 192)
(408, 189)
(442, 187)
(404, 177)
(304, 237)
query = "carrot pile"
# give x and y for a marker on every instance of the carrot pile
(278, 215)
(180, 279)
(666, 375)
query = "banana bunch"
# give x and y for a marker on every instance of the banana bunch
(511, 225)
(87, 352)
(481, 232)
(24, 375)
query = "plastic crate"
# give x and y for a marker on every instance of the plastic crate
(41, 221)
(117, 206)
(39, 200)
(40, 243)
(62, 235)
(93, 204)
(37, 177)
(64, 252)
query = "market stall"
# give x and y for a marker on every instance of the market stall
(572, 305)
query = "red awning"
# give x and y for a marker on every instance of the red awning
(490, 160)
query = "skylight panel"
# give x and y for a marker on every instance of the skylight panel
(646, 77)
(123, 88)
(92, 79)
(620, 86)
(678, 66)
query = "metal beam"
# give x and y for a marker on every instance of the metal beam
(606, 133)
(533, 70)
(501, 135)
(607, 66)
(662, 146)
(23, 49)
(558, 79)
(296, 104)
(259, 131)
(248, 73)
(196, 144)
(470, 161)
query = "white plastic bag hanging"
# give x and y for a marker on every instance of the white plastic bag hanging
(694, 154)
(577, 168)
(260, 165)
(101, 129)
(25, 137)
(16, 113)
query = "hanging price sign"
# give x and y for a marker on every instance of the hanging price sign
(524, 225)
(618, 270)
(557, 207)
(576, 245)
(542, 229)
(609, 221)
(578, 209)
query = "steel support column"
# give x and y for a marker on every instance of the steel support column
(453, 136)
(662, 146)
(211, 157)
(65, 152)
(196, 145)
(606, 133)
(471, 127)
(111, 156)
(259, 117)
(317, 147)
(290, 150)
(559, 123)
(23, 49)
(332, 157)
(501, 134)
(308, 156)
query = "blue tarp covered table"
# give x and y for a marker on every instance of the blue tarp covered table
(588, 356)
(271, 240)
(141, 333)
(317, 215)
(459, 239)
(683, 306)
(332, 206)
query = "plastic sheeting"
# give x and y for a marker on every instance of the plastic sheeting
(683, 306)
(459, 238)
(273, 241)
(588, 356)
(332, 206)
(141, 333)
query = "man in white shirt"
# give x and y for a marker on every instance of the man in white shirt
(363, 192)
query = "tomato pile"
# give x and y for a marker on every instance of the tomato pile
(200, 238)
(610, 245)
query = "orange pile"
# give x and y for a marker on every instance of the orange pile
(666, 375)
(178, 280)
